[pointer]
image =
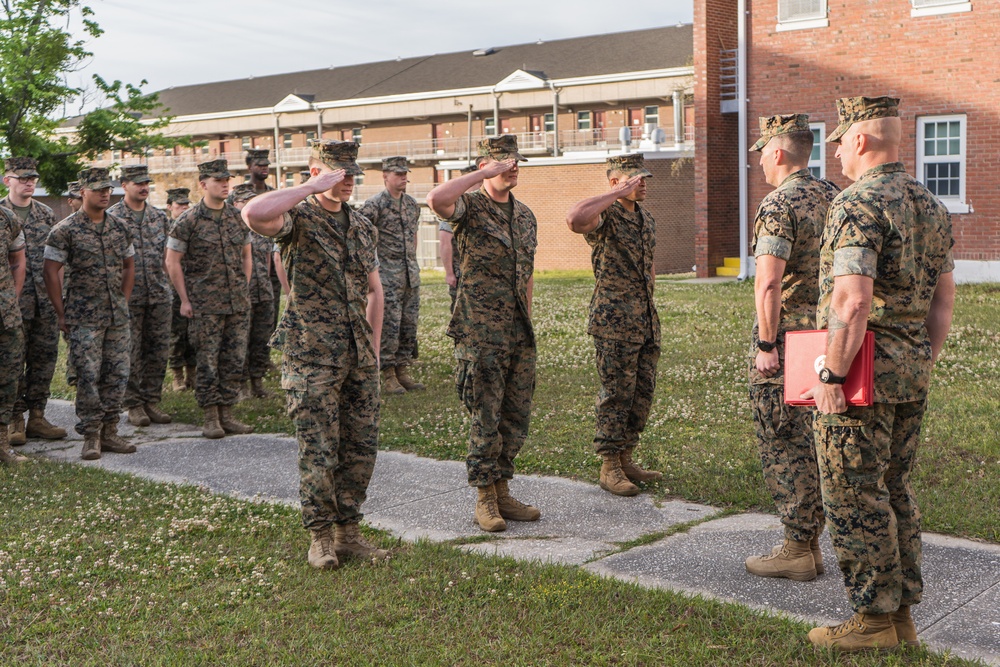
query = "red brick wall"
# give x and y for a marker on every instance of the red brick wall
(716, 176)
(937, 65)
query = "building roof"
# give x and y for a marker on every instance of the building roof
(595, 55)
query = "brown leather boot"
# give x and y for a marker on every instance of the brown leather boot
(15, 431)
(321, 553)
(137, 416)
(791, 560)
(112, 442)
(817, 555)
(212, 429)
(156, 415)
(861, 632)
(512, 508)
(230, 424)
(190, 372)
(906, 629)
(613, 479)
(7, 455)
(91, 447)
(39, 427)
(179, 383)
(634, 472)
(487, 513)
(390, 385)
(348, 541)
(257, 388)
(408, 383)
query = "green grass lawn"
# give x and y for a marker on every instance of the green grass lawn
(700, 431)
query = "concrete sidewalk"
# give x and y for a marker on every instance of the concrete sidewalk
(414, 498)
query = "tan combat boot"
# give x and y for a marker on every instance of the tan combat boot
(15, 431)
(390, 385)
(156, 415)
(7, 455)
(817, 555)
(137, 416)
(512, 508)
(487, 513)
(634, 472)
(212, 429)
(39, 427)
(91, 447)
(257, 388)
(112, 442)
(791, 560)
(321, 553)
(348, 541)
(861, 632)
(230, 424)
(906, 629)
(179, 383)
(190, 372)
(613, 479)
(408, 383)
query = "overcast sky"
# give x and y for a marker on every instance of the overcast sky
(179, 42)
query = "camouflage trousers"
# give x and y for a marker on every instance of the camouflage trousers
(496, 386)
(11, 362)
(627, 372)
(182, 352)
(261, 328)
(788, 456)
(41, 349)
(336, 415)
(100, 356)
(399, 322)
(221, 341)
(865, 458)
(276, 289)
(150, 326)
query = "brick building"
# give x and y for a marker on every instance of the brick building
(567, 101)
(800, 55)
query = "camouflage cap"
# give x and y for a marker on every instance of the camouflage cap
(258, 156)
(178, 196)
(73, 190)
(94, 178)
(338, 155)
(304, 175)
(242, 192)
(631, 164)
(21, 166)
(136, 173)
(395, 164)
(781, 124)
(501, 148)
(213, 169)
(852, 110)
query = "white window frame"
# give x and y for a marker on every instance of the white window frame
(938, 7)
(548, 123)
(584, 116)
(356, 134)
(246, 143)
(821, 162)
(957, 204)
(821, 20)
(289, 179)
(646, 115)
(286, 140)
(489, 127)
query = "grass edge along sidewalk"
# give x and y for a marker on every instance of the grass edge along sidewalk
(106, 568)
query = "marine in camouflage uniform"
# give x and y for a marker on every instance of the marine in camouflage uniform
(183, 358)
(214, 245)
(99, 273)
(889, 234)
(396, 215)
(12, 262)
(787, 231)
(328, 337)
(258, 167)
(150, 303)
(41, 329)
(449, 249)
(622, 318)
(491, 323)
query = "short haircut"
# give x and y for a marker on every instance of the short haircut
(798, 145)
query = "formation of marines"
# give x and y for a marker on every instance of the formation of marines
(876, 256)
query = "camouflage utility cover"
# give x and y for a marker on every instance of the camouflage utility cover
(772, 126)
(22, 167)
(632, 164)
(500, 148)
(852, 110)
(338, 155)
(136, 173)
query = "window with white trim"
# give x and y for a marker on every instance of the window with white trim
(356, 134)
(801, 14)
(817, 159)
(583, 120)
(289, 179)
(548, 123)
(941, 151)
(652, 115)
(246, 143)
(286, 140)
(934, 7)
(489, 126)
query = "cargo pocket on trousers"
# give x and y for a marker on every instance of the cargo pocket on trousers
(850, 448)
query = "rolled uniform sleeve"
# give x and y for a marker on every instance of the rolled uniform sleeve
(855, 234)
(57, 245)
(180, 234)
(18, 243)
(458, 215)
(130, 250)
(287, 227)
(774, 230)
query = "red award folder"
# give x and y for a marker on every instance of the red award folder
(805, 352)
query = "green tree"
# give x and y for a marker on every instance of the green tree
(38, 50)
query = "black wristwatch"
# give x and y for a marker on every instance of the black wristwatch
(826, 377)
(764, 346)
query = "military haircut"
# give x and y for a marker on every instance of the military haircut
(882, 133)
(798, 145)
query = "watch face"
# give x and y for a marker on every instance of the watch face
(824, 375)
